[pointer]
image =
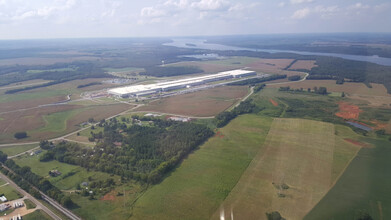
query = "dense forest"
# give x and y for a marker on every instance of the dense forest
(126, 148)
(357, 71)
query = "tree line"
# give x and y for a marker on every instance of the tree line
(254, 81)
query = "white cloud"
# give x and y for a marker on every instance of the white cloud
(211, 5)
(45, 11)
(152, 12)
(300, 1)
(301, 13)
(326, 12)
(281, 4)
(359, 6)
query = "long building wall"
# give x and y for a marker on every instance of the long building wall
(139, 90)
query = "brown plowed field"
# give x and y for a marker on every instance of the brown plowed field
(348, 111)
(10, 106)
(270, 65)
(203, 103)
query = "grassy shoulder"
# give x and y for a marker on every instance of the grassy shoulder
(29, 204)
(203, 180)
(37, 215)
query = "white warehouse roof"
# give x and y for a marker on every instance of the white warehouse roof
(139, 89)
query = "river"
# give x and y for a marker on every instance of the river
(200, 44)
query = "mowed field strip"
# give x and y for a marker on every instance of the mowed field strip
(297, 153)
(204, 179)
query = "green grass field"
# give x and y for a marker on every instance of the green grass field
(297, 153)
(198, 186)
(2, 182)
(75, 174)
(13, 150)
(29, 204)
(37, 215)
(57, 122)
(10, 192)
(363, 188)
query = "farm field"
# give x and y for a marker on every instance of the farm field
(363, 188)
(203, 180)
(53, 121)
(297, 153)
(202, 103)
(347, 87)
(273, 66)
(44, 61)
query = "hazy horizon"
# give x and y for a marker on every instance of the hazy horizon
(44, 19)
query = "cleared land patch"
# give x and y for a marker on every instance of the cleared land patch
(348, 111)
(298, 154)
(203, 180)
(203, 103)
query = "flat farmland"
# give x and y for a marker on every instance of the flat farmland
(364, 187)
(347, 87)
(53, 121)
(270, 65)
(257, 64)
(297, 153)
(303, 65)
(204, 179)
(207, 66)
(43, 61)
(202, 103)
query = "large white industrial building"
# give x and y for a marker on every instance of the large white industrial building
(142, 90)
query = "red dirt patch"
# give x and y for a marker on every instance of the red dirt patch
(273, 102)
(348, 111)
(108, 197)
(357, 143)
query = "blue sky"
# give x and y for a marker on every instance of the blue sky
(20, 19)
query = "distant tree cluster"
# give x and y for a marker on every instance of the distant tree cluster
(224, 118)
(294, 78)
(254, 81)
(89, 84)
(20, 135)
(320, 90)
(259, 87)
